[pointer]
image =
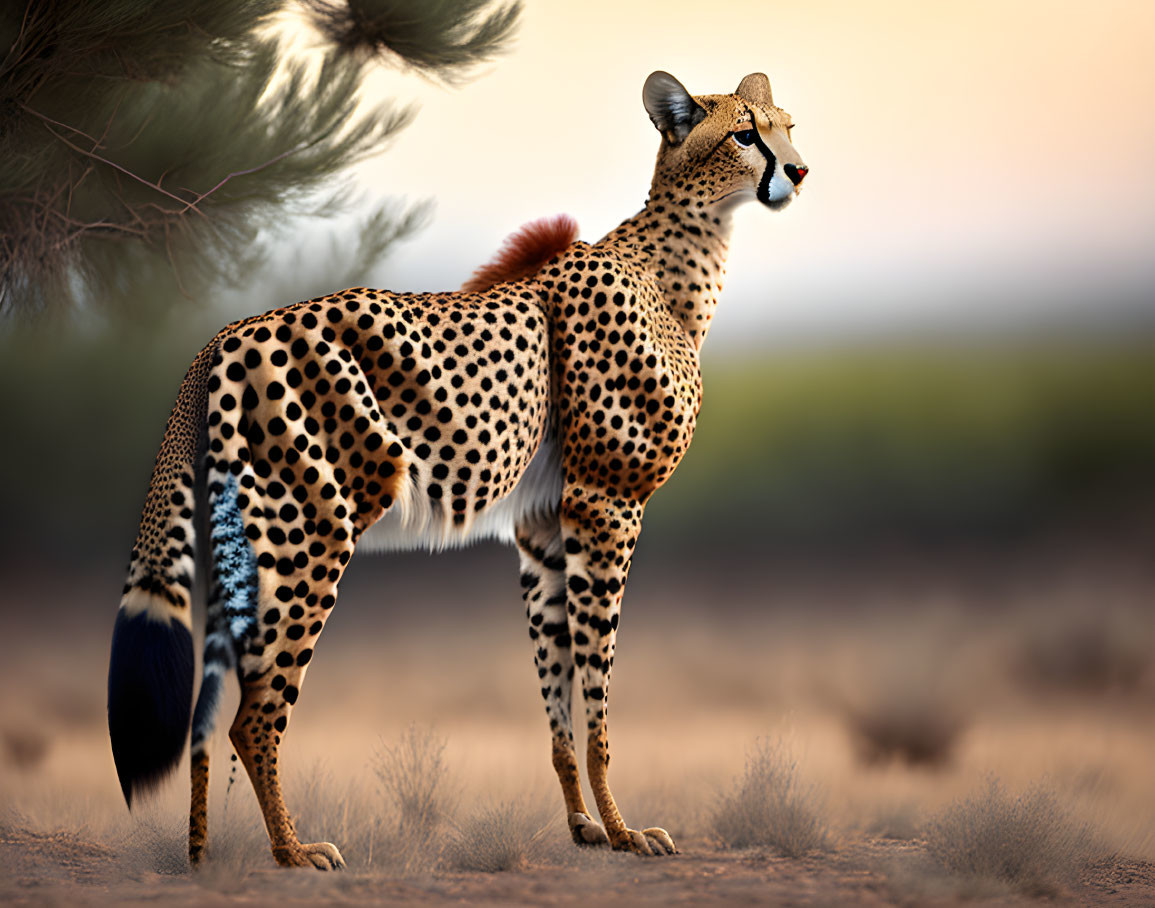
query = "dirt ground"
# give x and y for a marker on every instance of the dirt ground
(1039, 672)
(62, 868)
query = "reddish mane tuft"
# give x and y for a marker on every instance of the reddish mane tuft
(524, 252)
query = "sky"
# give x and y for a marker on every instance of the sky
(979, 166)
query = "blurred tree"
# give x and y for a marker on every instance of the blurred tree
(154, 146)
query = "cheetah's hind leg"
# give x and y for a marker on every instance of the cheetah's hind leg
(304, 570)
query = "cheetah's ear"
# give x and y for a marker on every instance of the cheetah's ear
(755, 88)
(672, 109)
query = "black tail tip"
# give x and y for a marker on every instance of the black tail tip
(150, 679)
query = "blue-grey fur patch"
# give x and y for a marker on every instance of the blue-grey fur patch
(235, 564)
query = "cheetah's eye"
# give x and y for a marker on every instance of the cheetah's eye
(744, 137)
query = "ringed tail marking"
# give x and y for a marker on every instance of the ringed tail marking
(150, 670)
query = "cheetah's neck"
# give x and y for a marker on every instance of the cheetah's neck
(683, 242)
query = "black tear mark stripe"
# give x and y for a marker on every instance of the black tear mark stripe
(763, 193)
(768, 174)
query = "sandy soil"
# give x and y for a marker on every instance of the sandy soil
(707, 665)
(64, 868)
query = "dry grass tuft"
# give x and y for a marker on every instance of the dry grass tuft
(1027, 842)
(156, 843)
(414, 779)
(770, 807)
(508, 837)
(332, 809)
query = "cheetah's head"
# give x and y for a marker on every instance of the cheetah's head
(723, 148)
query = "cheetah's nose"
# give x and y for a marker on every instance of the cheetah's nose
(796, 172)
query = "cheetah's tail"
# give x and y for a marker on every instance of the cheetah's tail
(150, 671)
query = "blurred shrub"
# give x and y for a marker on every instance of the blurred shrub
(770, 807)
(1027, 842)
(25, 746)
(905, 695)
(909, 726)
(1067, 650)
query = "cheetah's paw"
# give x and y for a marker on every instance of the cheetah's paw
(653, 842)
(586, 831)
(319, 855)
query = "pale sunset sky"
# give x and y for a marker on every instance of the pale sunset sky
(973, 165)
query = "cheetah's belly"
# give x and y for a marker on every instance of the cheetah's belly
(431, 527)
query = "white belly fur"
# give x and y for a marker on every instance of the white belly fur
(426, 525)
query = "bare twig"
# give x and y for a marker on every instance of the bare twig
(48, 119)
(240, 173)
(186, 205)
(128, 173)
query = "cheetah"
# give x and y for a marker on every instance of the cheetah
(543, 405)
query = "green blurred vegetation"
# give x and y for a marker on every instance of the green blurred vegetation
(836, 447)
(82, 418)
(919, 441)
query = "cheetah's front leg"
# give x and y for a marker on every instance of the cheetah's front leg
(599, 534)
(543, 589)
